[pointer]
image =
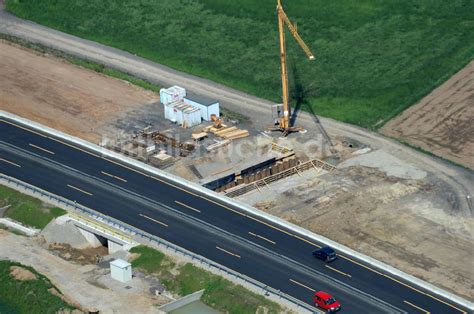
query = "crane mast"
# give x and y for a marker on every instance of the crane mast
(284, 122)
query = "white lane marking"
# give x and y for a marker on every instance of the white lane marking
(10, 162)
(302, 285)
(228, 252)
(187, 206)
(112, 176)
(338, 271)
(263, 238)
(41, 148)
(154, 220)
(417, 307)
(80, 190)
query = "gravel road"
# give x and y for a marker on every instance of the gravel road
(461, 180)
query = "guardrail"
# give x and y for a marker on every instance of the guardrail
(91, 223)
(123, 227)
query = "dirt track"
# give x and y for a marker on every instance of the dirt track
(63, 96)
(442, 122)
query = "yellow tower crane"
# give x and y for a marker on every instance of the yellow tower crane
(284, 121)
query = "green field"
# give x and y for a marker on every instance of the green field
(29, 296)
(26, 209)
(373, 58)
(219, 293)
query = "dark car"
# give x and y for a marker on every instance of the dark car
(326, 254)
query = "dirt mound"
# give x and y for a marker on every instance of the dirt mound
(83, 257)
(22, 274)
(67, 233)
(441, 122)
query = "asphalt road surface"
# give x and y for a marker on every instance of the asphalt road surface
(249, 245)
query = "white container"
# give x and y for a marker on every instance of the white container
(121, 270)
(172, 94)
(206, 105)
(171, 111)
(191, 117)
(179, 113)
(187, 116)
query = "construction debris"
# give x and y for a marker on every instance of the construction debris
(185, 148)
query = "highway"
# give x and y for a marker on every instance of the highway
(259, 249)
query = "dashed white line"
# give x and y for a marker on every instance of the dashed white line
(263, 238)
(338, 271)
(228, 252)
(302, 285)
(417, 307)
(154, 220)
(80, 190)
(187, 206)
(41, 148)
(112, 176)
(10, 162)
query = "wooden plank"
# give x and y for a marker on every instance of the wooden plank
(226, 130)
(236, 134)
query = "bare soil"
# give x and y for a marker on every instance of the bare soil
(85, 256)
(63, 96)
(442, 122)
(22, 274)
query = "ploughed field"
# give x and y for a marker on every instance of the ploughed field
(373, 58)
(442, 122)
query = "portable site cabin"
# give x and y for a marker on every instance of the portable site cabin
(172, 94)
(171, 111)
(207, 106)
(187, 116)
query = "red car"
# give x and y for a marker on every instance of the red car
(326, 302)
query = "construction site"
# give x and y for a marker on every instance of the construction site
(345, 184)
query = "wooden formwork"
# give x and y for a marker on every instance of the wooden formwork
(251, 185)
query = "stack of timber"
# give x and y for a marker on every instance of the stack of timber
(230, 133)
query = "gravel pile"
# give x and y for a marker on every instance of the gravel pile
(58, 231)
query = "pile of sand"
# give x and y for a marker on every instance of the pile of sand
(66, 233)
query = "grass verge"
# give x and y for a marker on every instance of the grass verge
(219, 293)
(26, 209)
(97, 67)
(28, 296)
